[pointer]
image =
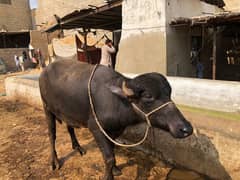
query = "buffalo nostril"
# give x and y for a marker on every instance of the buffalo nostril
(185, 130)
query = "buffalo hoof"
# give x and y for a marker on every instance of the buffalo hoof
(110, 177)
(116, 171)
(55, 165)
(81, 150)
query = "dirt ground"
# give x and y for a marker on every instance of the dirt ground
(24, 150)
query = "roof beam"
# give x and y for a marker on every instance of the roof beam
(94, 11)
(108, 14)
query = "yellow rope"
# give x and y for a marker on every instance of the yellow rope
(153, 111)
(101, 128)
(98, 123)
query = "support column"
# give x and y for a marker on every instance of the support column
(214, 55)
(4, 41)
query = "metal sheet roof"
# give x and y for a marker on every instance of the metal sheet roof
(108, 17)
(219, 19)
(219, 3)
(15, 32)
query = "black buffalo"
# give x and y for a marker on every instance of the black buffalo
(64, 92)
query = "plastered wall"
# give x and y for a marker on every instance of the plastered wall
(232, 5)
(148, 43)
(143, 43)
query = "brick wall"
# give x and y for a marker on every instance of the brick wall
(15, 16)
(39, 40)
(46, 9)
(7, 55)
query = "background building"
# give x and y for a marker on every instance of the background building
(213, 37)
(15, 24)
(43, 18)
(15, 15)
(157, 46)
(150, 40)
(44, 14)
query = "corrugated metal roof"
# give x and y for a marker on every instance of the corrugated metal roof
(219, 3)
(214, 19)
(15, 32)
(108, 17)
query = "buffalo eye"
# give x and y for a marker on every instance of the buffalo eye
(147, 97)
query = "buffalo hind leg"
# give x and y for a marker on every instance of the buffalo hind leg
(55, 163)
(107, 149)
(116, 171)
(75, 144)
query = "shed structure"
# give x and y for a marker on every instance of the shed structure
(15, 26)
(219, 33)
(158, 35)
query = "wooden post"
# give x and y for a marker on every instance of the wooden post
(85, 44)
(214, 55)
(203, 37)
(1, 39)
(4, 41)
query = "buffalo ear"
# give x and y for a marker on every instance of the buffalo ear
(127, 91)
(123, 92)
(118, 91)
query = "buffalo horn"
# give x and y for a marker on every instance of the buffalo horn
(126, 90)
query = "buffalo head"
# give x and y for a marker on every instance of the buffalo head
(150, 91)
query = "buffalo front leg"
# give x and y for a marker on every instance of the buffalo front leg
(75, 144)
(52, 137)
(107, 149)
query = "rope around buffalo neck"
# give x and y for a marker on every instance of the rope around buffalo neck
(98, 123)
(134, 105)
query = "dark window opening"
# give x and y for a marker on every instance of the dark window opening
(228, 61)
(5, 2)
(196, 42)
(17, 40)
(196, 45)
(232, 51)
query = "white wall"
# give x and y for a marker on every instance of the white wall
(188, 8)
(142, 15)
(149, 44)
(206, 94)
(143, 42)
(232, 5)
